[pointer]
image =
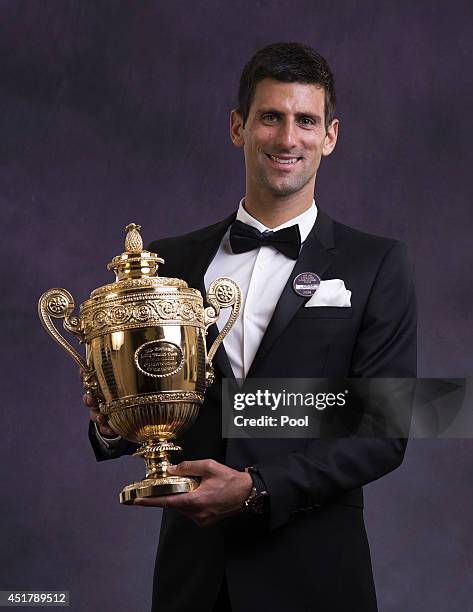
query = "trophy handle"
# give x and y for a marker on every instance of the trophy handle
(222, 293)
(59, 304)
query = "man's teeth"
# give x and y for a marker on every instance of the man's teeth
(284, 161)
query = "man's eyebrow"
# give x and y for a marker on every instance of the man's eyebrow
(269, 111)
(273, 111)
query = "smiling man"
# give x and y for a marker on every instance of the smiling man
(284, 135)
(278, 523)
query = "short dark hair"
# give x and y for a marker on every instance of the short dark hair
(289, 62)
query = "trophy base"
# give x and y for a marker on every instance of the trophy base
(154, 487)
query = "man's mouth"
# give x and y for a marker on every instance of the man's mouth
(283, 159)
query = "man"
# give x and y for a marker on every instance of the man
(288, 533)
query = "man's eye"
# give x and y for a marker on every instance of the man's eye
(270, 118)
(307, 121)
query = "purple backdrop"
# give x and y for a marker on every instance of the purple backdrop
(113, 112)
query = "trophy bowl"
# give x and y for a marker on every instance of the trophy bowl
(145, 361)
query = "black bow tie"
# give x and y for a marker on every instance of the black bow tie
(245, 238)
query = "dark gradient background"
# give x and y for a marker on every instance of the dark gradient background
(112, 112)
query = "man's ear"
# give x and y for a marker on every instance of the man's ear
(331, 137)
(236, 128)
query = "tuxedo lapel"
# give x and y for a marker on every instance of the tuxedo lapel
(203, 249)
(316, 256)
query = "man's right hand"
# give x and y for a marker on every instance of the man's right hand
(97, 417)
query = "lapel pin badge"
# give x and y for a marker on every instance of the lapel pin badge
(306, 284)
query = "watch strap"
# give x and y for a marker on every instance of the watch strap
(258, 500)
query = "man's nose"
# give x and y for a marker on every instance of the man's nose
(287, 136)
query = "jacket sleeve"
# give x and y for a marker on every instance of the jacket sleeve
(385, 347)
(113, 450)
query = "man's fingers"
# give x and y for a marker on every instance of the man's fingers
(89, 400)
(94, 412)
(179, 501)
(97, 417)
(150, 502)
(102, 421)
(204, 467)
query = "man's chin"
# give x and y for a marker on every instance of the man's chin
(284, 189)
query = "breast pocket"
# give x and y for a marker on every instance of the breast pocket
(324, 312)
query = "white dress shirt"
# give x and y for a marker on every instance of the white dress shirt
(261, 275)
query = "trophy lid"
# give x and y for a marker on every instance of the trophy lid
(135, 269)
(134, 262)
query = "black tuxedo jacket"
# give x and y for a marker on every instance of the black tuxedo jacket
(310, 552)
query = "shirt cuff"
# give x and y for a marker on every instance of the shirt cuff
(107, 442)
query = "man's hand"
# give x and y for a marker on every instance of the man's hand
(95, 415)
(222, 492)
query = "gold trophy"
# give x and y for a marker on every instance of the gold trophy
(146, 360)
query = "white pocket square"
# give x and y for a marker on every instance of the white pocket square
(331, 293)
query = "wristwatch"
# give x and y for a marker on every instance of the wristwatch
(258, 499)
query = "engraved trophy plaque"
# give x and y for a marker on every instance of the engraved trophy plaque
(145, 355)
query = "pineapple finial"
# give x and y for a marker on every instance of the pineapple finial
(133, 240)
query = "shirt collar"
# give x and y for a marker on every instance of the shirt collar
(305, 221)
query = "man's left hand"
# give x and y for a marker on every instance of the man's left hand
(222, 492)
